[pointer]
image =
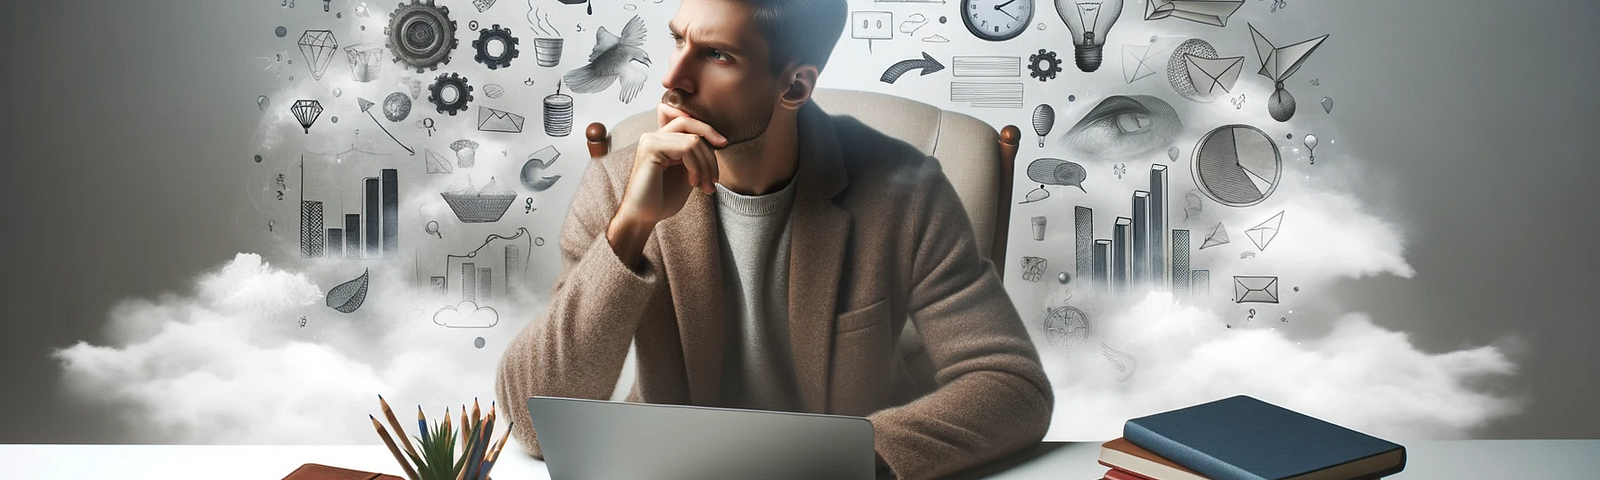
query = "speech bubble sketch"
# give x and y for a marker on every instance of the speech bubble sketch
(871, 25)
(466, 315)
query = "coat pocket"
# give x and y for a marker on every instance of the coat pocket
(860, 318)
(863, 360)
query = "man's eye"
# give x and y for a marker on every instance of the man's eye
(716, 54)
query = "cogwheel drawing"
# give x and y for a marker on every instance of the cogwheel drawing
(421, 35)
(1043, 73)
(508, 47)
(450, 93)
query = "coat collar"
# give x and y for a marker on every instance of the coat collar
(692, 260)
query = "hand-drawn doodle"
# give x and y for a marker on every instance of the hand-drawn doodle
(987, 94)
(926, 63)
(996, 20)
(436, 162)
(1038, 228)
(1209, 12)
(478, 342)
(396, 107)
(1238, 102)
(361, 9)
(318, 48)
(366, 107)
(1217, 236)
(532, 172)
(1136, 62)
(1090, 22)
(281, 31)
(412, 85)
(871, 25)
(1263, 233)
(426, 124)
(1055, 171)
(348, 296)
(1211, 77)
(466, 315)
(1120, 169)
(527, 206)
(1255, 289)
(1172, 154)
(483, 5)
(558, 113)
(470, 276)
(1043, 65)
(450, 93)
(1178, 68)
(306, 112)
(1064, 278)
(1033, 268)
(492, 120)
(365, 62)
(337, 92)
(547, 46)
(1279, 5)
(493, 90)
(612, 60)
(432, 228)
(486, 205)
(466, 152)
(1124, 126)
(262, 101)
(1247, 254)
(1044, 118)
(1237, 165)
(985, 66)
(421, 35)
(1278, 63)
(1123, 364)
(1311, 147)
(495, 47)
(1066, 328)
(913, 23)
(1327, 105)
(935, 38)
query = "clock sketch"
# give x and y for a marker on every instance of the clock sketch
(996, 20)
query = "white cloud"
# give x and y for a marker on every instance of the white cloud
(230, 362)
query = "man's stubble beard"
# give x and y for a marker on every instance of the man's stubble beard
(745, 135)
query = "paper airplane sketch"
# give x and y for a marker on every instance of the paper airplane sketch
(533, 177)
(1278, 63)
(318, 47)
(1136, 62)
(1212, 77)
(348, 296)
(927, 64)
(612, 62)
(366, 107)
(1124, 126)
(987, 95)
(486, 205)
(1237, 165)
(436, 163)
(1255, 289)
(1217, 236)
(1066, 327)
(492, 120)
(1123, 365)
(1263, 233)
(1033, 268)
(1209, 12)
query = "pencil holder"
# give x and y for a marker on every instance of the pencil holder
(444, 451)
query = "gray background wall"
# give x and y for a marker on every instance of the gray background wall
(131, 130)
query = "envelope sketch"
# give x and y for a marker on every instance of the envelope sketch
(1255, 289)
(491, 120)
(1213, 77)
(1136, 62)
(1263, 233)
(1209, 12)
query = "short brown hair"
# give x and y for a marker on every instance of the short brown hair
(798, 31)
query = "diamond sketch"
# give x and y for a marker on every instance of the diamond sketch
(318, 47)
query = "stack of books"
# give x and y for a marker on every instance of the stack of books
(1242, 438)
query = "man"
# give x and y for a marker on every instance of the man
(762, 254)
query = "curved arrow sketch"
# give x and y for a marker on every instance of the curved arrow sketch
(366, 106)
(926, 63)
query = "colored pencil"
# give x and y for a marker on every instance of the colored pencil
(398, 457)
(422, 424)
(394, 422)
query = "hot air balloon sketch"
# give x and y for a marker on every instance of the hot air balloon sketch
(1044, 117)
(306, 111)
(1278, 63)
(1311, 146)
(348, 296)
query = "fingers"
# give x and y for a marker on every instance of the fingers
(675, 120)
(670, 149)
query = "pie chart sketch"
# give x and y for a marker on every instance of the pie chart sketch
(1237, 165)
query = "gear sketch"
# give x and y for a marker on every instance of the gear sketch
(450, 93)
(486, 38)
(421, 34)
(1042, 72)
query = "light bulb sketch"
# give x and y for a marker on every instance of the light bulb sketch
(1311, 146)
(1090, 22)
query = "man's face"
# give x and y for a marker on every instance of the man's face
(719, 72)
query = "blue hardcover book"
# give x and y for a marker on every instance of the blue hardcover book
(1242, 438)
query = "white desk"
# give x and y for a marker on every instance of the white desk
(1427, 460)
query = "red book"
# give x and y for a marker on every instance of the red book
(1120, 454)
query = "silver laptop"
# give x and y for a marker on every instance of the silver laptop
(595, 439)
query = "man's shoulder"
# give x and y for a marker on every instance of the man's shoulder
(879, 164)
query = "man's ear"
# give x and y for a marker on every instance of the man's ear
(802, 81)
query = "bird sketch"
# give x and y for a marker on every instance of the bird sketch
(609, 62)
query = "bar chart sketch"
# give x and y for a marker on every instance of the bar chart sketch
(1143, 253)
(379, 237)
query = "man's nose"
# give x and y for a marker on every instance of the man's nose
(680, 71)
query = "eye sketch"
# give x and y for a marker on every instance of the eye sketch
(612, 61)
(1124, 126)
(421, 35)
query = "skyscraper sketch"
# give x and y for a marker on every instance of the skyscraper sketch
(1102, 266)
(352, 236)
(1180, 264)
(1139, 255)
(389, 210)
(1121, 251)
(370, 199)
(1140, 273)
(310, 220)
(374, 236)
(1158, 227)
(469, 282)
(1200, 283)
(1083, 241)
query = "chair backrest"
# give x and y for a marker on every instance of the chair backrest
(977, 159)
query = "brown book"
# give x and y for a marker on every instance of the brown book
(1119, 474)
(312, 471)
(1122, 455)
